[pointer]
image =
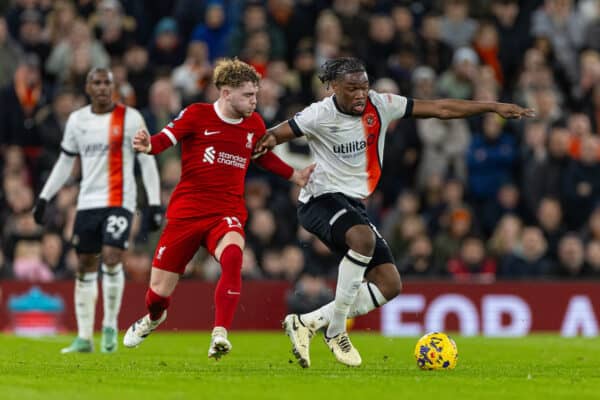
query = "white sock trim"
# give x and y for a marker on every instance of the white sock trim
(358, 258)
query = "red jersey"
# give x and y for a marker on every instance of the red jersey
(215, 154)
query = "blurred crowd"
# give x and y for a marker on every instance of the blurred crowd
(479, 199)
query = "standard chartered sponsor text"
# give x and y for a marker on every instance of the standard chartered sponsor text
(232, 160)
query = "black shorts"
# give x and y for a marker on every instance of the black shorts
(330, 215)
(101, 226)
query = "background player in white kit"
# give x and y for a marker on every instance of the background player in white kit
(101, 134)
(346, 133)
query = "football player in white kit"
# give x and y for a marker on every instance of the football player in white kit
(346, 134)
(101, 135)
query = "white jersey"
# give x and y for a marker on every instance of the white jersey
(348, 149)
(103, 141)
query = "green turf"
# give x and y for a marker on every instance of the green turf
(175, 366)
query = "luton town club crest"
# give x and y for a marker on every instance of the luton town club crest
(370, 118)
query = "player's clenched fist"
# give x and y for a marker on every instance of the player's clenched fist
(266, 143)
(141, 141)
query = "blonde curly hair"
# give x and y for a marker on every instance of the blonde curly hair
(233, 72)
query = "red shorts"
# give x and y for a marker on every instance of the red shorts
(181, 238)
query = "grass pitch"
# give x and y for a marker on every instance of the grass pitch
(261, 366)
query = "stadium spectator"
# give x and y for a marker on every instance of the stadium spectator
(472, 264)
(581, 184)
(214, 31)
(528, 259)
(79, 43)
(490, 160)
(308, 293)
(571, 257)
(433, 51)
(418, 262)
(549, 217)
(112, 28)
(505, 237)
(458, 81)
(167, 49)
(192, 77)
(457, 28)
(52, 120)
(19, 103)
(255, 19)
(10, 53)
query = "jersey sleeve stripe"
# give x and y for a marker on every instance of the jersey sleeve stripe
(69, 153)
(170, 136)
(295, 128)
(409, 107)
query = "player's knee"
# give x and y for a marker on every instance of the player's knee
(361, 239)
(87, 263)
(111, 257)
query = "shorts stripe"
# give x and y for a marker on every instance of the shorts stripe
(337, 215)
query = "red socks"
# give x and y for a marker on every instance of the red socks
(227, 293)
(156, 304)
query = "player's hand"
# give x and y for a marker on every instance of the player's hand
(39, 211)
(141, 141)
(266, 143)
(301, 177)
(512, 111)
(155, 218)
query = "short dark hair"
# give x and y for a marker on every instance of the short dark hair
(338, 67)
(95, 70)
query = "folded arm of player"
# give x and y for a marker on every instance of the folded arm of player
(454, 108)
(58, 177)
(276, 135)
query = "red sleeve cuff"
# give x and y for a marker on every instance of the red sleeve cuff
(159, 143)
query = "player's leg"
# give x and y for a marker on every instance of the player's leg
(116, 228)
(113, 285)
(382, 283)
(86, 239)
(337, 222)
(228, 250)
(176, 247)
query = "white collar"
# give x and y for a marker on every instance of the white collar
(224, 118)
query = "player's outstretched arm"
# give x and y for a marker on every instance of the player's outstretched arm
(278, 134)
(454, 108)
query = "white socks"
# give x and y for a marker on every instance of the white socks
(86, 293)
(350, 275)
(368, 294)
(113, 283)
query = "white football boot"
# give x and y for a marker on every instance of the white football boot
(140, 330)
(300, 336)
(343, 350)
(219, 345)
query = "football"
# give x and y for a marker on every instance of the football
(436, 350)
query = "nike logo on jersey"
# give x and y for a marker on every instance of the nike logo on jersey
(229, 291)
(208, 133)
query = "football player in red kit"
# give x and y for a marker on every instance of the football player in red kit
(207, 207)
